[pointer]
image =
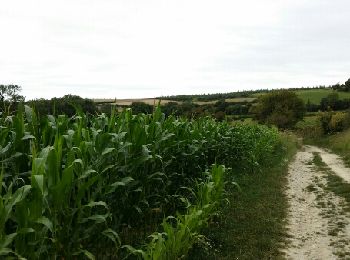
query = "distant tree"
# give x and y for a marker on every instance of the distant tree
(333, 99)
(170, 108)
(333, 102)
(336, 86)
(141, 107)
(68, 105)
(186, 109)
(282, 108)
(334, 121)
(221, 105)
(219, 115)
(311, 107)
(9, 95)
(347, 85)
(198, 111)
(237, 109)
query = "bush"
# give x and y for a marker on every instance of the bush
(66, 105)
(282, 108)
(220, 115)
(309, 128)
(141, 107)
(339, 122)
(332, 122)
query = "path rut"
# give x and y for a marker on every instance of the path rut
(318, 225)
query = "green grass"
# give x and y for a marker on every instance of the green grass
(252, 226)
(315, 95)
(308, 121)
(335, 183)
(237, 100)
(309, 128)
(341, 188)
(317, 160)
(338, 143)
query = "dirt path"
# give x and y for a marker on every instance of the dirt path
(333, 161)
(317, 220)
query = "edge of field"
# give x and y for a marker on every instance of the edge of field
(253, 224)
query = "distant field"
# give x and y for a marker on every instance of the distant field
(234, 100)
(127, 102)
(151, 101)
(315, 95)
(229, 100)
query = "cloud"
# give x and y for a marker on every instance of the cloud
(149, 48)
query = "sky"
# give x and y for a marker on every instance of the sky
(138, 48)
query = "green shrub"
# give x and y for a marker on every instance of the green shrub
(310, 127)
(332, 122)
(282, 108)
(339, 121)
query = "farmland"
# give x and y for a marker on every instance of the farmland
(315, 95)
(128, 102)
(122, 185)
(155, 101)
(235, 105)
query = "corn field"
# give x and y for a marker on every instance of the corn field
(100, 187)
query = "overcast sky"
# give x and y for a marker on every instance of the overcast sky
(147, 48)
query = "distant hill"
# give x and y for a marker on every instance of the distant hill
(314, 95)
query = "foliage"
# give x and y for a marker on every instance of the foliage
(181, 232)
(9, 95)
(141, 107)
(213, 97)
(282, 108)
(339, 121)
(338, 143)
(238, 109)
(347, 85)
(67, 105)
(252, 225)
(219, 115)
(342, 87)
(84, 185)
(218, 110)
(309, 127)
(334, 121)
(315, 95)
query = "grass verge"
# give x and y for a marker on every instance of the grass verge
(335, 183)
(339, 143)
(336, 211)
(252, 226)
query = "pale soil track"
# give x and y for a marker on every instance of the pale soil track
(318, 225)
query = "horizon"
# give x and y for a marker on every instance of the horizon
(195, 94)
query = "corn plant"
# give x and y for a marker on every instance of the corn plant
(86, 185)
(181, 232)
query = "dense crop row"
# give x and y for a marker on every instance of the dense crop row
(88, 185)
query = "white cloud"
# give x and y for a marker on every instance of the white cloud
(105, 48)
